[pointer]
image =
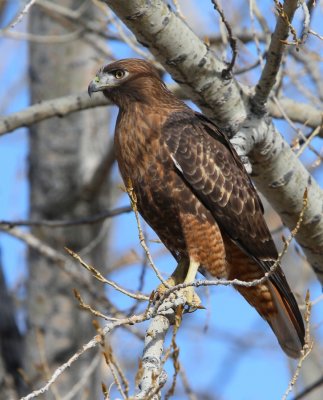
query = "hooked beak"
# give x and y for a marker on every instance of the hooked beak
(95, 86)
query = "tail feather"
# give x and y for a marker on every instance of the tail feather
(281, 312)
(288, 327)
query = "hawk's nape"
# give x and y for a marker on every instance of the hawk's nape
(192, 189)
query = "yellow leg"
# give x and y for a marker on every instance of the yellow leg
(192, 299)
(192, 271)
(184, 273)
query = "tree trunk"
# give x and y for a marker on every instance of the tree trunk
(68, 163)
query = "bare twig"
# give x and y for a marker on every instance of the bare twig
(109, 361)
(227, 72)
(97, 275)
(31, 37)
(306, 349)
(87, 307)
(186, 384)
(44, 363)
(61, 223)
(35, 243)
(316, 34)
(308, 140)
(84, 378)
(91, 344)
(133, 200)
(22, 13)
(150, 373)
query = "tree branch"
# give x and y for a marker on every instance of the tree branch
(50, 108)
(150, 376)
(81, 221)
(274, 54)
(91, 344)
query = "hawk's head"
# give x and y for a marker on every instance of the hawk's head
(126, 80)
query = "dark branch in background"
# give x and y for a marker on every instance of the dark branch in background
(227, 72)
(11, 341)
(82, 221)
(274, 55)
(309, 389)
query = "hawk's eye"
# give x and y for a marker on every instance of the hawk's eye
(119, 74)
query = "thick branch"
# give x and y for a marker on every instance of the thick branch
(274, 54)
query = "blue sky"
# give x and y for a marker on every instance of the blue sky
(219, 359)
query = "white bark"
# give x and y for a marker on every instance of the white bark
(151, 374)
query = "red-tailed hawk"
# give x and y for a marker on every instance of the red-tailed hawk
(194, 192)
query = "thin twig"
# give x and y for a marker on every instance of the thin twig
(44, 363)
(316, 34)
(308, 140)
(114, 364)
(107, 356)
(133, 200)
(186, 384)
(97, 275)
(91, 344)
(227, 72)
(31, 37)
(61, 223)
(22, 13)
(87, 307)
(306, 349)
(84, 378)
